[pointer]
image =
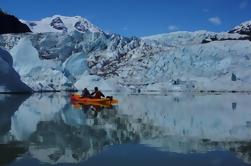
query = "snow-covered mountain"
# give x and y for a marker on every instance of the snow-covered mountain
(243, 28)
(57, 61)
(59, 23)
(87, 57)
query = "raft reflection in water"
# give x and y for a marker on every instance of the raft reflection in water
(94, 107)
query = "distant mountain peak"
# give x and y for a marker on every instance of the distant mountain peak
(244, 28)
(58, 23)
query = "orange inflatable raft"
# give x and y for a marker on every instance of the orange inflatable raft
(76, 98)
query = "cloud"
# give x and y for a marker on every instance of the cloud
(215, 20)
(172, 28)
(205, 10)
(243, 4)
(125, 28)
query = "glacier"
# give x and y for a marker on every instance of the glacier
(10, 79)
(40, 75)
(70, 53)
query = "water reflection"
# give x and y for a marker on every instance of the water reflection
(10, 152)
(8, 105)
(53, 131)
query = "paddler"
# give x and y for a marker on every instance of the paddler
(97, 94)
(86, 93)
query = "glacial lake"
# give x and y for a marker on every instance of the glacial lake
(177, 129)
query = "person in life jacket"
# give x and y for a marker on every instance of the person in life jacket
(97, 94)
(86, 93)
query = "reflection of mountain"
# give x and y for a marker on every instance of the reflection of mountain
(183, 145)
(10, 152)
(57, 142)
(244, 152)
(181, 124)
(9, 104)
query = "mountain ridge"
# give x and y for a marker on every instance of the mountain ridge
(59, 23)
(243, 28)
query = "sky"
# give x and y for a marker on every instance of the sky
(139, 17)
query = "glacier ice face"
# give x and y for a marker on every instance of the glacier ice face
(75, 65)
(91, 81)
(54, 61)
(10, 79)
(25, 57)
(39, 74)
(190, 67)
(183, 61)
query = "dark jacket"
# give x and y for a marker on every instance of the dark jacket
(85, 93)
(97, 95)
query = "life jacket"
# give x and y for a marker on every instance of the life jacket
(98, 95)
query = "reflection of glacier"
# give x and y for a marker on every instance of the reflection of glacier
(215, 117)
(35, 109)
(188, 123)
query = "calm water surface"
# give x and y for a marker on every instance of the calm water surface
(176, 129)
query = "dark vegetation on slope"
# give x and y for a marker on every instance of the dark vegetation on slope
(10, 24)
